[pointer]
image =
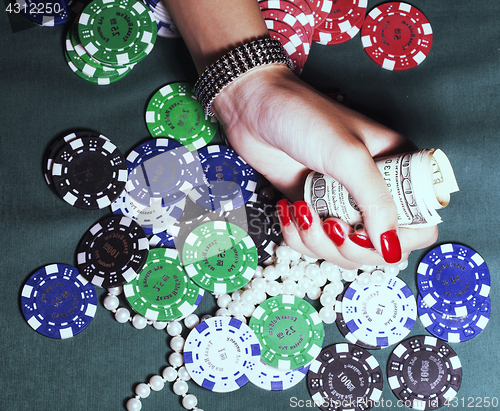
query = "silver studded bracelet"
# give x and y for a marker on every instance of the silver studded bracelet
(236, 63)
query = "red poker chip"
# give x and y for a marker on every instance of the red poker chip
(320, 9)
(292, 9)
(396, 36)
(290, 34)
(290, 49)
(343, 22)
(295, 27)
(305, 7)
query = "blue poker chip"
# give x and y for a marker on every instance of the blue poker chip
(162, 240)
(58, 302)
(46, 13)
(453, 279)
(161, 168)
(454, 329)
(229, 181)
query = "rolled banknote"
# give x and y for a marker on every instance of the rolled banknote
(420, 183)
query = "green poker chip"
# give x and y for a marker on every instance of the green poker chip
(117, 32)
(219, 256)
(89, 70)
(289, 330)
(162, 291)
(174, 112)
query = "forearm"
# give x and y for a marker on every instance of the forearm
(210, 28)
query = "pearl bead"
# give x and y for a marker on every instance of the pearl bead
(335, 287)
(241, 317)
(222, 312)
(236, 295)
(134, 404)
(205, 317)
(180, 387)
(283, 253)
(177, 343)
(122, 315)
(368, 268)
(176, 359)
(305, 284)
(189, 402)
(402, 266)
(259, 297)
(111, 302)
(327, 315)
(259, 284)
(312, 271)
(308, 259)
(183, 374)
(170, 374)
(296, 273)
(223, 300)
(174, 328)
(364, 279)
(139, 322)
(156, 383)
(248, 309)
(247, 297)
(191, 321)
(327, 267)
(299, 293)
(143, 390)
(281, 270)
(115, 290)
(273, 288)
(289, 286)
(314, 293)
(327, 299)
(159, 325)
(334, 275)
(294, 255)
(259, 272)
(349, 275)
(319, 280)
(392, 270)
(235, 308)
(271, 272)
(379, 277)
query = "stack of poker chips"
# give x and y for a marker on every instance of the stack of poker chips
(165, 24)
(454, 285)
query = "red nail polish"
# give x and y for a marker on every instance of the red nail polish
(334, 231)
(283, 209)
(361, 239)
(302, 215)
(391, 247)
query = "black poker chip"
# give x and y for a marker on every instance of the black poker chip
(345, 377)
(424, 372)
(112, 252)
(88, 172)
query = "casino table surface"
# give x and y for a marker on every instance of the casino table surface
(450, 101)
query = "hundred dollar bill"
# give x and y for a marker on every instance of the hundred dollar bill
(420, 183)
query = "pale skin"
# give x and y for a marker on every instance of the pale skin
(284, 129)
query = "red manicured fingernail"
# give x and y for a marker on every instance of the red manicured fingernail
(361, 239)
(334, 231)
(302, 215)
(283, 209)
(391, 247)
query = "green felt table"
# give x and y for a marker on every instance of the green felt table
(450, 101)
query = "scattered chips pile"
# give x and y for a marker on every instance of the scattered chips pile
(93, 49)
(454, 285)
(164, 23)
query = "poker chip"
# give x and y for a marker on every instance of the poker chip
(163, 169)
(320, 10)
(153, 218)
(342, 23)
(58, 302)
(174, 112)
(112, 252)
(403, 51)
(345, 377)
(162, 291)
(219, 256)
(165, 24)
(117, 32)
(454, 329)
(342, 326)
(228, 181)
(289, 330)
(379, 314)
(424, 372)
(291, 51)
(56, 146)
(273, 379)
(163, 239)
(221, 354)
(453, 279)
(89, 172)
(47, 14)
